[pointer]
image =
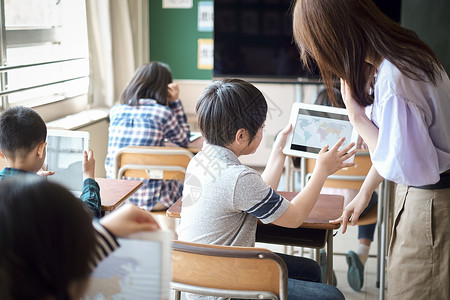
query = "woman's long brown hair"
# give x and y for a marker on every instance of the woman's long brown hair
(341, 34)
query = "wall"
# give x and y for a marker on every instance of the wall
(430, 20)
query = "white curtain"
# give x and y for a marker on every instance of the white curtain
(111, 50)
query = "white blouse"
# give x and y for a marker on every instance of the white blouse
(413, 118)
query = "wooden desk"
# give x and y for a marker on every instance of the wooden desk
(113, 192)
(194, 146)
(313, 233)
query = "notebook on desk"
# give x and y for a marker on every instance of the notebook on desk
(139, 269)
(65, 156)
(194, 135)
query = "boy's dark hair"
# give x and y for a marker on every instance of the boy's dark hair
(227, 106)
(150, 81)
(21, 130)
(47, 240)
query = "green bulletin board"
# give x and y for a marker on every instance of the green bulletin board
(174, 36)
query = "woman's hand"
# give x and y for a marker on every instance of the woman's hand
(329, 161)
(352, 211)
(354, 108)
(173, 92)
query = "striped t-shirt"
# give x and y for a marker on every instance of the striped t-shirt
(223, 200)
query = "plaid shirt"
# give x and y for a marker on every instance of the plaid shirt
(90, 194)
(148, 124)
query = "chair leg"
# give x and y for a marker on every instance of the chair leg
(177, 295)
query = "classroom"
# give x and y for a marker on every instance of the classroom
(90, 70)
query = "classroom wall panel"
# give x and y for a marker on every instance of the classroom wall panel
(174, 36)
(430, 20)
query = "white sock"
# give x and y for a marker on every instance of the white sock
(363, 253)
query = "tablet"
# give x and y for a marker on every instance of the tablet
(65, 156)
(314, 126)
(139, 269)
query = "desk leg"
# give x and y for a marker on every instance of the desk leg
(330, 257)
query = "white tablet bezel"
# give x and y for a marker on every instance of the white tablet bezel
(308, 153)
(164, 239)
(72, 134)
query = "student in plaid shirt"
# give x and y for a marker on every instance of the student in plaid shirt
(149, 112)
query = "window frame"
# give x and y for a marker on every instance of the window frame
(31, 36)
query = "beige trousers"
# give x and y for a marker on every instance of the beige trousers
(419, 250)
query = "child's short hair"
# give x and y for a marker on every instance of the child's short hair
(227, 106)
(21, 130)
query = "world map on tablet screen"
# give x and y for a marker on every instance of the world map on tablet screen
(131, 272)
(316, 132)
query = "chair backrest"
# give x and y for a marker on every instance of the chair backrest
(152, 162)
(347, 178)
(228, 271)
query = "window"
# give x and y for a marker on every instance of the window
(43, 51)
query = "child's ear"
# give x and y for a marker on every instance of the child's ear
(2, 155)
(41, 149)
(241, 136)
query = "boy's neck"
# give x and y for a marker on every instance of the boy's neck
(24, 163)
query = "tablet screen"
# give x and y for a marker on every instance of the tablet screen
(315, 126)
(139, 269)
(315, 129)
(65, 157)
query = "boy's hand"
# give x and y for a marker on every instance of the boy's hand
(173, 92)
(88, 165)
(129, 219)
(280, 141)
(45, 173)
(333, 160)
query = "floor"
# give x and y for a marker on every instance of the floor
(342, 244)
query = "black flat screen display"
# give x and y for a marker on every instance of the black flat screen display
(253, 39)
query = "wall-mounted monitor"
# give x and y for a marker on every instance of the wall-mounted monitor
(253, 40)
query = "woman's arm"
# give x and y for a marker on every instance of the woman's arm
(357, 115)
(354, 209)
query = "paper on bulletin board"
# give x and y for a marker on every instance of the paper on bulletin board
(177, 3)
(205, 16)
(205, 59)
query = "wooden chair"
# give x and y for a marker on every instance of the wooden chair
(227, 271)
(152, 162)
(163, 163)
